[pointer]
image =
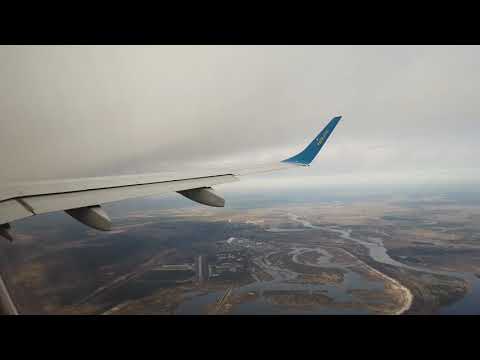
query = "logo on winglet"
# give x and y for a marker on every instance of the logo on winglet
(321, 139)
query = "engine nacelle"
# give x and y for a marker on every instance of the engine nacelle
(204, 195)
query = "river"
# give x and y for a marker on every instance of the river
(468, 305)
(284, 280)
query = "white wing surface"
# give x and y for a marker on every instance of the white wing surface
(81, 198)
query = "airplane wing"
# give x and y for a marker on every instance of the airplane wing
(82, 198)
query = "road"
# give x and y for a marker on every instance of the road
(223, 300)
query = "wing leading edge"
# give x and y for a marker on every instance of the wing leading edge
(81, 198)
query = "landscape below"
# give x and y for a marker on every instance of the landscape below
(402, 254)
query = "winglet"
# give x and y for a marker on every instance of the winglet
(305, 157)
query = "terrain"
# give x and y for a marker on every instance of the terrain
(401, 255)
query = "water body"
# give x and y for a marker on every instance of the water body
(284, 280)
(468, 305)
(262, 305)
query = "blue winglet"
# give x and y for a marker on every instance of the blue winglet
(306, 156)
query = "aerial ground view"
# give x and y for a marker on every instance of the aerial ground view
(407, 252)
(239, 180)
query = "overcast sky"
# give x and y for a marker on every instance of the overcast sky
(410, 113)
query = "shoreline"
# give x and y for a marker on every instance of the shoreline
(408, 296)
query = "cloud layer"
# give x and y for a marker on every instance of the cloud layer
(410, 113)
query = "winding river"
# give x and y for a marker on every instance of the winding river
(468, 305)
(284, 280)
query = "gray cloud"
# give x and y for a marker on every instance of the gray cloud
(411, 113)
